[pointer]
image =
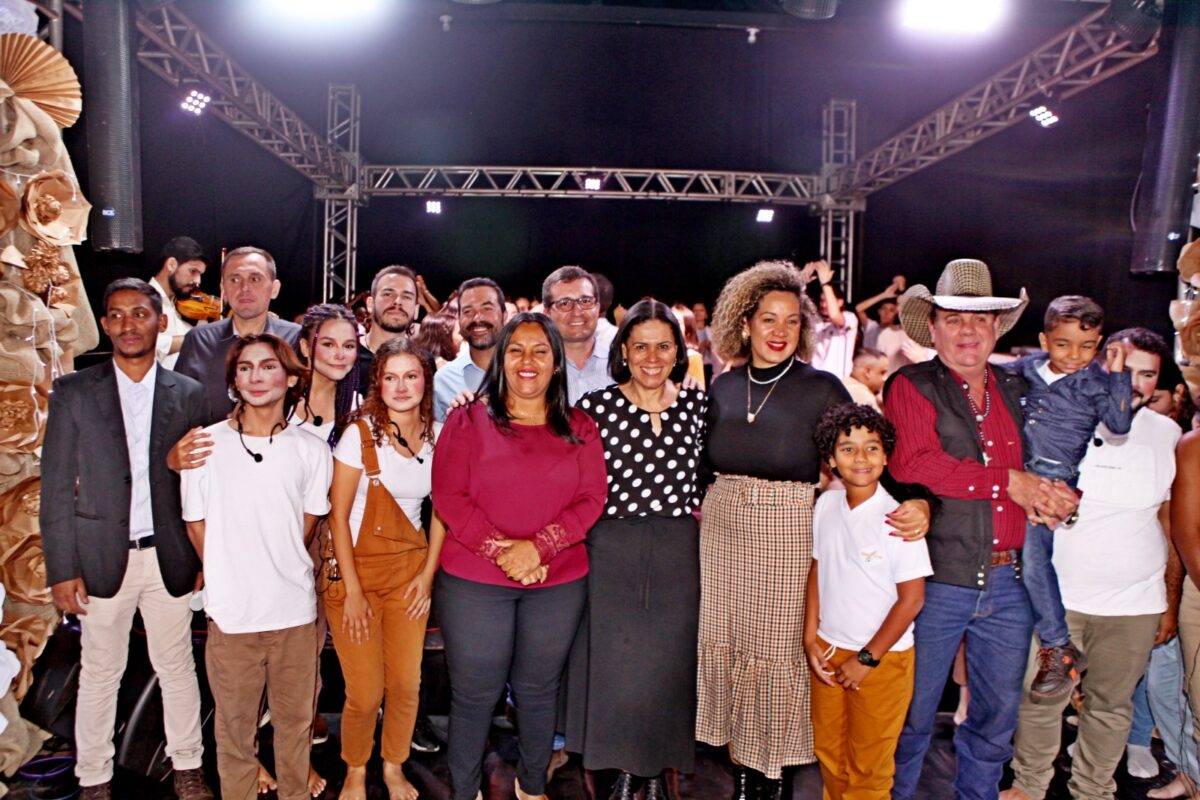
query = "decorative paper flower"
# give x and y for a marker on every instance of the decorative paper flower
(37, 72)
(54, 210)
(1189, 338)
(44, 268)
(10, 207)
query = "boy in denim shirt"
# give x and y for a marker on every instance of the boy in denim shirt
(1069, 395)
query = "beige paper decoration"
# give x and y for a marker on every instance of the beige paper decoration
(37, 72)
(54, 210)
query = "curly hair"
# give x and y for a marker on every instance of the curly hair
(740, 298)
(843, 418)
(375, 410)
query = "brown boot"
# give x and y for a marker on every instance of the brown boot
(190, 785)
(1059, 669)
(101, 791)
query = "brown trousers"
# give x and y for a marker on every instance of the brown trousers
(239, 666)
(389, 553)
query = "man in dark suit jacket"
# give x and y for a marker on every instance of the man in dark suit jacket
(114, 537)
(248, 284)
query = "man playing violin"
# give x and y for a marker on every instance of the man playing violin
(180, 267)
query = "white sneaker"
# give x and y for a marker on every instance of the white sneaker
(1140, 762)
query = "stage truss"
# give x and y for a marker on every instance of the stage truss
(171, 46)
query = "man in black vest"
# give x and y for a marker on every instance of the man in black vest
(113, 533)
(958, 428)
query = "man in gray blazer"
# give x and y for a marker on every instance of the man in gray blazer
(114, 537)
(248, 284)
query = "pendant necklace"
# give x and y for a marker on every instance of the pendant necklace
(980, 416)
(753, 415)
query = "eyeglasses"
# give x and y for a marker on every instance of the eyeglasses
(567, 304)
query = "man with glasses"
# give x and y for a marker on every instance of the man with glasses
(481, 313)
(392, 305)
(569, 296)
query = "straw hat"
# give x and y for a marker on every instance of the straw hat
(965, 285)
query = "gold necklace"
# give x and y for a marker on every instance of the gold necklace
(753, 415)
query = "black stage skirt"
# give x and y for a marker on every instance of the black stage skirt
(631, 679)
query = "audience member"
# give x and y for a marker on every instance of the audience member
(836, 333)
(865, 381)
(885, 316)
(114, 538)
(712, 364)
(392, 305)
(605, 330)
(437, 337)
(519, 479)
(632, 706)
(180, 266)
(687, 325)
(958, 433)
(481, 315)
(329, 349)
(570, 297)
(248, 284)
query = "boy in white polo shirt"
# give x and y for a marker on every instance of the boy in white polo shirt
(250, 511)
(865, 588)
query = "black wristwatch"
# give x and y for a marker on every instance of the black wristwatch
(866, 659)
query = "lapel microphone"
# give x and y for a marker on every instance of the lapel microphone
(258, 457)
(400, 440)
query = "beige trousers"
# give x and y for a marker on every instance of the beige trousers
(1189, 641)
(1118, 651)
(105, 651)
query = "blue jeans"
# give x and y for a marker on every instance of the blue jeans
(1169, 707)
(998, 625)
(1041, 581)
(1141, 731)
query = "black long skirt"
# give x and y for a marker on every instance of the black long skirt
(631, 678)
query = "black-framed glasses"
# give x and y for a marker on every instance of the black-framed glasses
(567, 304)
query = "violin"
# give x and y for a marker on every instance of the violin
(200, 307)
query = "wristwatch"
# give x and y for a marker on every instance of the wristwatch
(866, 659)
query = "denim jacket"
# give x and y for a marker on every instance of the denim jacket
(1061, 418)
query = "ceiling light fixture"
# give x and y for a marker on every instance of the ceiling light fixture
(195, 102)
(765, 215)
(1044, 115)
(952, 16)
(433, 206)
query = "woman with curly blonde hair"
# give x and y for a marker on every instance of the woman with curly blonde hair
(756, 534)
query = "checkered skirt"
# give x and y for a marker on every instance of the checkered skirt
(755, 552)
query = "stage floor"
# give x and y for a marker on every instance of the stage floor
(710, 781)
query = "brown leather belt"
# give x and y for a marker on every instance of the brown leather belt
(1002, 558)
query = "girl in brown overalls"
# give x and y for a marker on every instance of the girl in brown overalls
(379, 582)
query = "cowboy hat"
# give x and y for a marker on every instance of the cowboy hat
(965, 285)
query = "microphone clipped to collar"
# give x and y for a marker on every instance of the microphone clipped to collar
(401, 441)
(258, 457)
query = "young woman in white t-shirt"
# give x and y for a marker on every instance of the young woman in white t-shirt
(378, 609)
(329, 348)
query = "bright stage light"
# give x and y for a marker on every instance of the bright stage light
(592, 183)
(952, 16)
(195, 102)
(323, 10)
(433, 206)
(765, 215)
(1044, 116)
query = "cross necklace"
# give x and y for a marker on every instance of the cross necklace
(980, 416)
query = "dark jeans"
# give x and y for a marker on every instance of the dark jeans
(998, 626)
(495, 634)
(1037, 566)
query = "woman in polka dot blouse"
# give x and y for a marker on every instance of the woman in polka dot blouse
(632, 675)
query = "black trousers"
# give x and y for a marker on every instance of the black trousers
(496, 635)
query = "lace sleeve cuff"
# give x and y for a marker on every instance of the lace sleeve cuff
(488, 549)
(550, 540)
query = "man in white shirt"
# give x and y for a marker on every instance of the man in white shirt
(865, 381)
(1114, 569)
(837, 332)
(113, 537)
(251, 510)
(481, 314)
(180, 268)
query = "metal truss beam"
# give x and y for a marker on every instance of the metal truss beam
(340, 259)
(1076, 59)
(642, 184)
(839, 220)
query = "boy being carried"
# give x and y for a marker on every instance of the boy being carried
(1069, 395)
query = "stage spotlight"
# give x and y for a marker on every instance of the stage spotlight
(952, 16)
(765, 215)
(323, 10)
(195, 102)
(433, 206)
(1044, 115)
(810, 9)
(592, 183)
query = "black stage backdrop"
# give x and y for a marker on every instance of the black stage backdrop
(1048, 209)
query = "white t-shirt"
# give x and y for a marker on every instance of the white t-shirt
(858, 567)
(409, 481)
(1111, 562)
(258, 575)
(323, 430)
(833, 349)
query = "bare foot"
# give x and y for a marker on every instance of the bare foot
(265, 782)
(316, 784)
(355, 785)
(1013, 794)
(1182, 786)
(523, 796)
(397, 785)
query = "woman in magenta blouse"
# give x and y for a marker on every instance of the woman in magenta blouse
(519, 479)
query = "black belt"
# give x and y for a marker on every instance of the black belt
(143, 543)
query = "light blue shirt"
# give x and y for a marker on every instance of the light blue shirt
(137, 402)
(460, 374)
(593, 375)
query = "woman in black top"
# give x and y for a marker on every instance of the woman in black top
(756, 536)
(632, 676)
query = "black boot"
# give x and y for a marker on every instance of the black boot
(626, 787)
(743, 788)
(656, 788)
(769, 788)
